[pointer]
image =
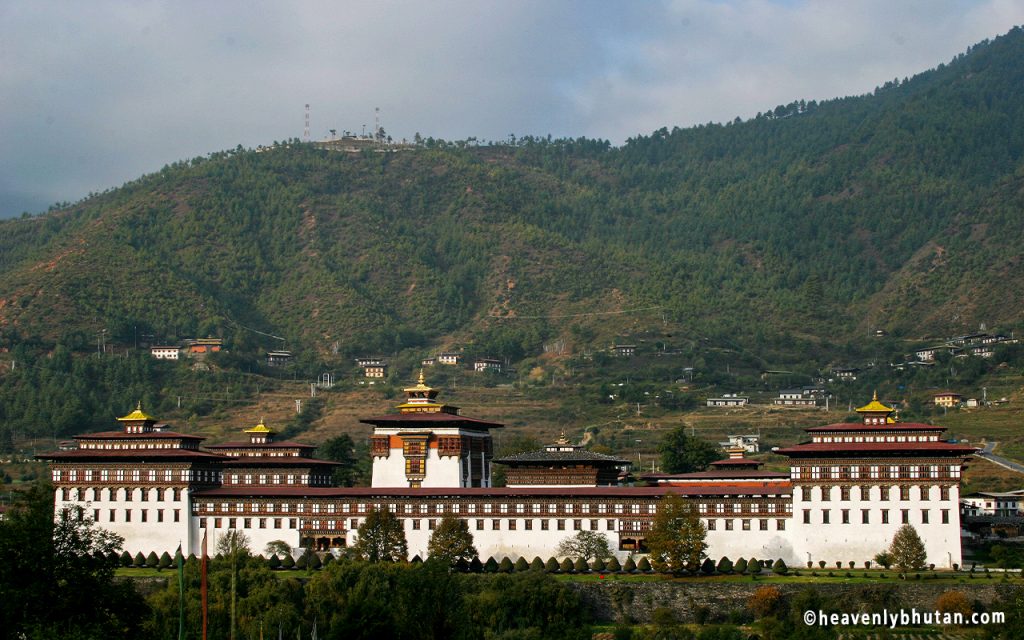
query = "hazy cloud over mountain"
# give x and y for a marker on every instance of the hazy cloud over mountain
(96, 93)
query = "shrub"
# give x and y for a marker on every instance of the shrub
(780, 568)
(724, 565)
(613, 565)
(707, 567)
(521, 564)
(506, 566)
(491, 566)
(126, 559)
(598, 565)
(954, 602)
(152, 561)
(460, 565)
(821, 564)
(644, 565)
(565, 566)
(329, 559)
(754, 566)
(314, 562)
(810, 565)
(629, 566)
(537, 564)
(766, 601)
(551, 566)
(287, 562)
(741, 566)
(956, 567)
(475, 566)
(274, 562)
(852, 564)
(165, 561)
(302, 562)
(580, 566)
(867, 565)
(416, 559)
(839, 564)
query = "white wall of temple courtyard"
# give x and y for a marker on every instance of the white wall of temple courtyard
(146, 526)
(858, 541)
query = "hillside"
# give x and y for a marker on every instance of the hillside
(789, 236)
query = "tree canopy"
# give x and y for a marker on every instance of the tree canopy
(381, 538)
(677, 539)
(451, 541)
(681, 453)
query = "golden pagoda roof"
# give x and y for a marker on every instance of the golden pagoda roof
(136, 415)
(420, 385)
(875, 406)
(260, 428)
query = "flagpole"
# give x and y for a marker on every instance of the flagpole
(181, 594)
(203, 583)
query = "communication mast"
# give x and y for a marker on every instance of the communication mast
(305, 132)
(376, 123)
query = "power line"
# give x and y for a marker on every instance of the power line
(573, 315)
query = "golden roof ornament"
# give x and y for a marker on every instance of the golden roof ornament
(137, 415)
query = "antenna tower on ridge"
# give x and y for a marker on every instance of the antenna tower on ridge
(376, 122)
(305, 132)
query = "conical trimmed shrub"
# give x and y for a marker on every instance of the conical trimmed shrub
(629, 566)
(741, 566)
(707, 567)
(724, 565)
(475, 566)
(126, 559)
(491, 566)
(551, 566)
(565, 566)
(287, 562)
(329, 559)
(302, 562)
(754, 566)
(537, 564)
(580, 566)
(315, 562)
(522, 564)
(597, 565)
(505, 566)
(273, 562)
(165, 561)
(780, 568)
(416, 559)
(613, 566)
(152, 561)
(644, 565)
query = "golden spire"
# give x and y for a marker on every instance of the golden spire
(138, 414)
(420, 380)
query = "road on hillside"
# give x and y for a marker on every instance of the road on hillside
(1000, 460)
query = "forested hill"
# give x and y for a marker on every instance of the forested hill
(899, 210)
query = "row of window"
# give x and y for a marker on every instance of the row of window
(739, 507)
(134, 446)
(865, 516)
(439, 508)
(143, 515)
(875, 471)
(886, 438)
(136, 475)
(113, 493)
(922, 492)
(275, 478)
(745, 525)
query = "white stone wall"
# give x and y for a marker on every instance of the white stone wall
(856, 541)
(151, 535)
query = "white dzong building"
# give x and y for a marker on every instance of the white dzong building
(847, 491)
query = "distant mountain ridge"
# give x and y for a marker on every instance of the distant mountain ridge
(899, 210)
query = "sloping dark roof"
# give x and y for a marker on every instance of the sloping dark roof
(845, 448)
(277, 461)
(736, 462)
(750, 488)
(115, 435)
(892, 426)
(432, 419)
(578, 455)
(134, 455)
(730, 474)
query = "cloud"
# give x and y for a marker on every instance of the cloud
(98, 93)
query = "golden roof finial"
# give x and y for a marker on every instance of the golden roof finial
(421, 379)
(562, 439)
(138, 414)
(874, 396)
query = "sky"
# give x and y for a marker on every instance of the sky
(93, 94)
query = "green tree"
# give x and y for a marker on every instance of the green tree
(57, 575)
(451, 541)
(587, 545)
(907, 550)
(381, 538)
(677, 539)
(681, 453)
(278, 548)
(341, 449)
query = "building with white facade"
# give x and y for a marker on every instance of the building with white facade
(847, 492)
(165, 353)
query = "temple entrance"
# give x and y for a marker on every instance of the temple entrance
(636, 544)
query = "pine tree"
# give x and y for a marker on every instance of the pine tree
(907, 550)
(451, 541)
(381, 538)
(677, 539)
